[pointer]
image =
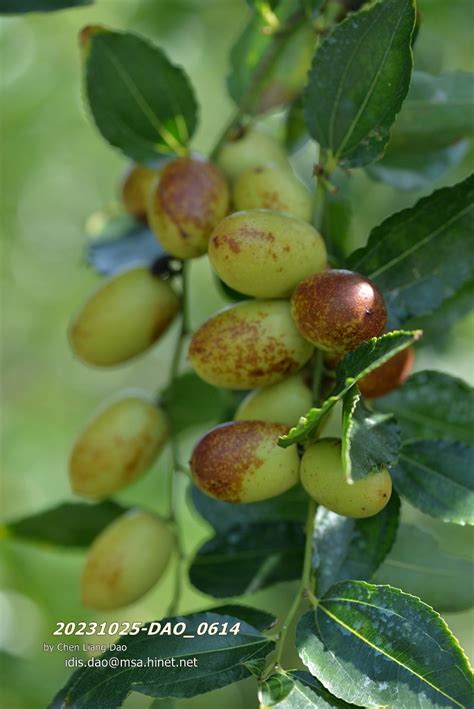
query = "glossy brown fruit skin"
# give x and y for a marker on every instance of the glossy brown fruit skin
(388, 376)
(242, 462)
(136, 184)
(188, 201)
(337, 310)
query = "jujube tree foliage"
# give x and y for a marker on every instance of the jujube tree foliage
(314, 340)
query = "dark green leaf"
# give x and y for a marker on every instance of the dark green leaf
(422, 255)
(436, 477)
(337, 216)
(189, 401)
(261, 620)
(320, 696)
(407, 170)
(70, 524)
(376, 645)
(358, 81)
(215, 661)
(141, 103)
(346, 548)
(419, 565)
(289, 507)
(370, 439)
(275, 689)
(436, 330)
(355, 365)
(297, 690)
(432, 405)
(246, 559)
(15, 7)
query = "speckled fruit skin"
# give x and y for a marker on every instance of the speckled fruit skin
(123, 318)
(242, 462)
(117, 445)
(284, 402)
(250, 148)
(265, 254)
(134, 189)
(388, 376)
(337, 310)
(269, 187)
(323, 478)
(126, 560)
(248, 345)
(184, 206)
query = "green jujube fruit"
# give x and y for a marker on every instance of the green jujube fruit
(117, 445)
(251, 344)
(126, 560)
(284, 402)
(272, 187)
(123, 318)
(265, 254)
(247, 149)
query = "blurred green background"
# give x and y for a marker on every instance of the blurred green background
(56, 170)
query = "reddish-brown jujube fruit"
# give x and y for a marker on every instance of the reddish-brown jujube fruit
(388, 376)
(337, 310)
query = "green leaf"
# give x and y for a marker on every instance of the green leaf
(246, 559)
(436, 477)
(297, 690)
(370, 440)
(296, 134)
(70, 524)
(421, 256)
(355, 365)
(190, 401)
(432, 405)
(436, 330)
(358, 81)
(275, 689)
(16, 7)
(261, 620)
(375, 645)
(346, 548)
(222, 516)
(337, 216)
(215, 661)
(141, 103)
(419, 565)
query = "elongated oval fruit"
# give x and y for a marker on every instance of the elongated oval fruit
(120, 443)
(272, 187)
(123, 318)
(126, 560)
(323, 478)
(189, 199)
(134, 189)
(242, 462)
(265, 254)
(250, 344)
(247, 149)
(284, 402)
(337, 310)
(388, 376)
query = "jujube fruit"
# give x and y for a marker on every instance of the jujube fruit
(324, 479)
(265, 254)
(284, 402)
(119, 444)
(242, 462)
(388, 376)
(134, 189)
(248, 345)
(189, 199)
(123, 318)
(250, 148)
(272, 187)
(126, 560)
(337, 310)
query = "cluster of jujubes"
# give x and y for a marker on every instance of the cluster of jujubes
(252, 216)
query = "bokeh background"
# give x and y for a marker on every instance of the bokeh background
(56, 170)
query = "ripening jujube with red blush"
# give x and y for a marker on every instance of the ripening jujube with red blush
(117, 445)
(126, 560)
(252, 344)
(242, 462)
(134, 189)
(265, 254)
(324, 479)
(388, 376)
(123, 318)
(189, 199)
(336, 310)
